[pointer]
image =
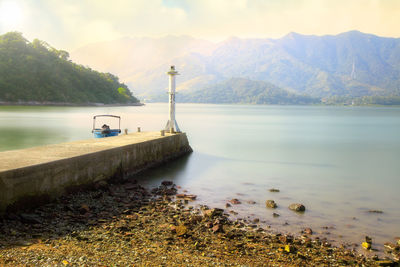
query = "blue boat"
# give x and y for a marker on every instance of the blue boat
(105, 130)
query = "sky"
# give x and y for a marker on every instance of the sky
(70, 24)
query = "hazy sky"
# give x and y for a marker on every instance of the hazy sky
(69, 24)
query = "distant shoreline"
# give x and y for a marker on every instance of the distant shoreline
(309, 105)
(65, 104)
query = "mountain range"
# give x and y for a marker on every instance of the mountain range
(347, 65)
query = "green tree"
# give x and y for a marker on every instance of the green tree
(38, 72)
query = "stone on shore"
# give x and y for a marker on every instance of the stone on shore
(375, 211)
(290, 248)
(186, 196)
(30, 218)
(132, 226)
(274, 190)
(167, 183)
(386, 263)
(297, 207)
(217, 228)
(366, 245)
(235, 201)
(84, 209)
(308, 231)
(391, 246)
(271, 204)
(213, 212)
(181, 230)
(285, 239)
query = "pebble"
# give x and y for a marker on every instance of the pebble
(271, 204)
(130, 225)
(297, 207)
(235, 201)
(375, 211)
(274, 190)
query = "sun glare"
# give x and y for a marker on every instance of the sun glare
(10, 14)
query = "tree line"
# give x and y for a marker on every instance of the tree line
(35, 71)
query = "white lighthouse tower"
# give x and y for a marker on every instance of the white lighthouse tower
(172, 126)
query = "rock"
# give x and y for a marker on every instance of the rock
(195, 219)
(275, 214)
(101, 185)
(208, 224)
(132, 217)
(131, 186)
(308, 231)
(274, 190)
(84, 209)
(386, 263)
(256, 220)
(227, 205)
(190, 197)
(217, 228)
(368, 239)
(251, 202)
(286, 239)
(391, 246)
(375, 211)
(290, 248)
(375, 258)
(270, 204)
(30, 218)
(167, 183)
(366, 245)
(297, 207)
(301, 256)
(186, 196)
(307, 242)
(181, 230)
(235, 201)
(213, 212)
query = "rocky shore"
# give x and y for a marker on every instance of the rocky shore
(125, 224)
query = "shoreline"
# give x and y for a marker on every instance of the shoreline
(301, 105)
(124, 223)
(65, 104)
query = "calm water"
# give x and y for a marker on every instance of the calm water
(339, 162)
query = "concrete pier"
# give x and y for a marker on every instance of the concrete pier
(39, 174)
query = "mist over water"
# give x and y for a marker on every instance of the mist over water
(340, 162)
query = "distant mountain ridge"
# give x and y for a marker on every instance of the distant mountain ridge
(318, 66)
(244, 91)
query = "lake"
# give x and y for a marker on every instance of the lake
(340, 162)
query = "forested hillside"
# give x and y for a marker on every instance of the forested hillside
(36, 72)
(239, 90)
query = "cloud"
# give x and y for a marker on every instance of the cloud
(73, 23)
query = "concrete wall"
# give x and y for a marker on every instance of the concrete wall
(42, 182)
